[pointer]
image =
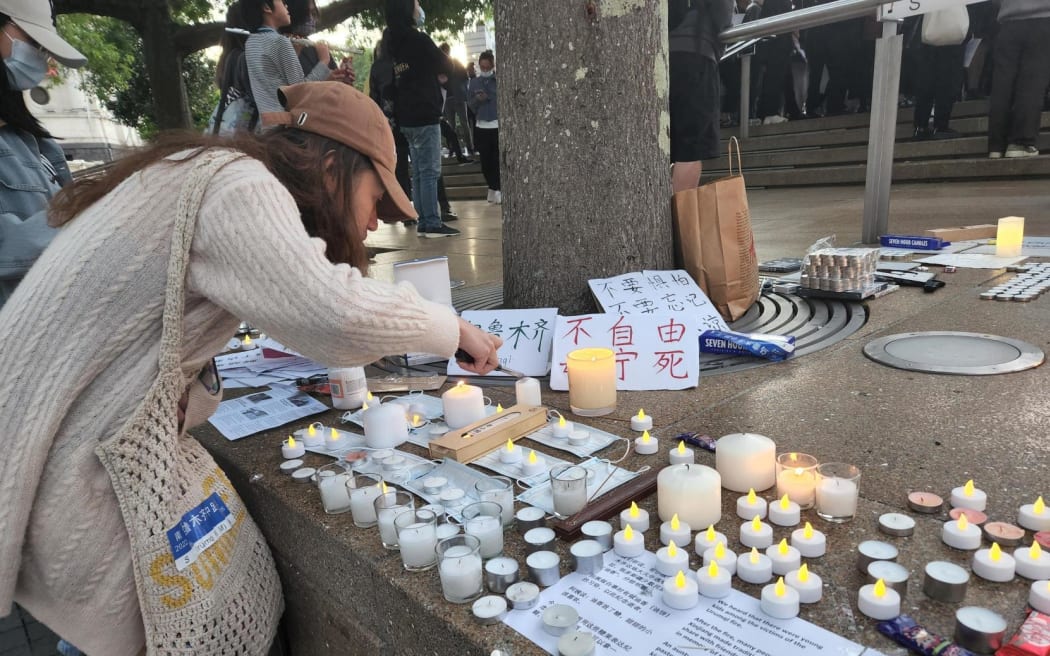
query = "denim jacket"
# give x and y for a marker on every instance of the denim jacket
(486, 110)
(26, 186)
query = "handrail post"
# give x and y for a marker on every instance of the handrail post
(745, 94)
(882, 133)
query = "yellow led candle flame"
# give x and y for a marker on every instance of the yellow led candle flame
(368, 396)
(1039, 507)
(968, 488)
(679, 581)
(756, 524)
(710, 535)
(675, 524)
(247, 340)
(1035, 551)
(681, 448)
(382, 486)
(752, 498)
(779, 589)
(641, 414)
(532, 457)
(561, 421)
(880, 589)
(291, 442)
(646, 437)
(785, 502)
(364, 406)
(510, 444)
(499, 408)
(754, 556)
(962, 523)
(672, 549)
(995, 553)
(311, 431)
(335, 434)
(720, 550)
(415, 419)
(803, 573)
(628, 533)
(712, 569)
(782, 548)
(633, 512)
(807, 532)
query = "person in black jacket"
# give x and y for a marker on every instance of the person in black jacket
(418, 63)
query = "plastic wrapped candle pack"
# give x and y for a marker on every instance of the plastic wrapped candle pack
(908, 633)
(726, 342)
(839, 269)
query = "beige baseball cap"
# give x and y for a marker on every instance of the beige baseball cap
(36, 20)
(339, 111)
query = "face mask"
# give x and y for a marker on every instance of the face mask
(306, 29)
(26, 67)
(422, 17)
(487, 73)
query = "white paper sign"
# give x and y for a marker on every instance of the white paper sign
(650, 292)
(904, 8)
(621, 606)
(527, 336)
(653, 351)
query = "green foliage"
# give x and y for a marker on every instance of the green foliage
(443, 16)
(134, 106)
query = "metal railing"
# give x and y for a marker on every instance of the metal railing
(800, 19)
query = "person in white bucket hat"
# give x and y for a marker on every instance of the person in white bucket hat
(34, 165)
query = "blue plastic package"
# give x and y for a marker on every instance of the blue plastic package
(725, 342)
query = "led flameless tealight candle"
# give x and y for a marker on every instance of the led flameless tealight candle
(636, 517)
(452, 497)
(388, 506)
(534, 464)
(680, 455)
(292, 449)
(1034, 516)
(979, 629)
(708, 539)
(779, 601)
(592, 381)
(599, 531)
(725, 558)
(676, 530)
(646, 445)
(810, 542)
(756, 533)
(511, 453)
(628, 543)
(527, 392)
(1032, 562)
(750, 506)
(641, 421)
(961, 534)
(394, 463)
(463, 405)
(945, 581)
(416, 420)
(1009, 236)
(809, 586)
(562, 428)
(784, 512)
(993, 565)
(879, 602)
(754, 567)
(304, 475)
(1039, 596)
(968, 496)
(314, 438)
(784, 557)
(670, 559)
(693, 492)
(681, 592)
(713, 581)
(797, 478)
(746, 461)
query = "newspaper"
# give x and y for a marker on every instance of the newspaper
(263, 410)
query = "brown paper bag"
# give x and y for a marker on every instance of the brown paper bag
(714, 240)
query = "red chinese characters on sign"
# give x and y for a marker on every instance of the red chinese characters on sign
(623, 336)
(671, 333)
(669, 361)
(576, 329)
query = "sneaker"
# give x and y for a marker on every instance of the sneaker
(410, 222)
(995, 154)
(497, 197)
(1014, 150)
(921, 134)
(438, 232)
(774, 119)
(945, 133)
(492, 196)
(463, 159)
(449, 216)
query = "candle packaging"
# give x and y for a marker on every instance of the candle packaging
(708, 539)
(676, 530)
(797, 478)
(693, 492)
(592, 381)
(641, 422)
(628, 543)
(746, 461)
(837, 491)
(779, 601)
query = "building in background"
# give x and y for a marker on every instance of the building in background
(479, 39)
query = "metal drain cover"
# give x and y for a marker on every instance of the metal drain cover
(948, 352)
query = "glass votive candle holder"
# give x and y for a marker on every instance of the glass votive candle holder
(459, 567)
(363, 490)
(417, 539)
(569, 488)
(335, 495)
(498, 489)
(797, 478)
(592, 381)
(484, 520)
(388, 506)
(838, 488)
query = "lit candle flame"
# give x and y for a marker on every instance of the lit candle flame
(499, 408)
(368, 396)
(712, 569)
(561, 421)
(641, 414)
(1039, 507)
(383, 487)
(968, 488)
(962, 523)
(672, 549)
(798, 471)
(720, 550)
(752, 498)
(291, 442)
(794, 457)
(807, 532)
(710, 533)
(510, 444)
(995, 554)
(675, 523)
(1035, 551)
(756, 524)
(460, 384)
(679, 581)
(311, 431)
(803, 573)
(532, 457)
(754, 556)
(364, 406)
(779, 589)
(646, 438)
(247, 340)
(880, 589)
(334, 434)
(785, 502)
(783, 547)
(633, 512)
(415, 420)
(681, 447)
(628, 533)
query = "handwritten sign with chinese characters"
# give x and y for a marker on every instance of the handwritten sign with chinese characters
(649, 292)
(653, 351)
(526, 334)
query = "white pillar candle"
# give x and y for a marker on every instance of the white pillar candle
(641, 422)
(676, 530)
(416, 542)
(713, 581)
(646, 445)
(489, 532)
(1034, 516)
(291, 449)
(968, 496)
(708, 539)
(463, 405)
(636, 517)
(797, 478)
(534, 465)
(681, 455)
(746, 461)
(784, 512)
(725, 558)
(810, 542)
(784, 557)
(961, 534)
(434, 484)
(385, 426)
(599, 531)
(836, 498)
(576, 643)
(592, 381)
(756, 533)
(754, 567)
(489, 609)
(693, 492)
(671, 559)
(543, 567)
(313, 438)
(364, 489)
(510, 454)
(1039, 596)
(628, 543)
(460, 573)
(993, 565)
(809, 586)
(681, 592)
(750, 506)
(878, 601)
(527, 392)
(561, 428)
(539, 539)
(779, 601)
(335, 497)
(1032, 562)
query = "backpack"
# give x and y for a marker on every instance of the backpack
(383, 88)
(946, 27)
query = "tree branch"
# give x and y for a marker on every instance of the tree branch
(191, 38)
(125, 10)
(337, 12)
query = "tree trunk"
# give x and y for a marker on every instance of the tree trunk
(585, 145)
(164, 67)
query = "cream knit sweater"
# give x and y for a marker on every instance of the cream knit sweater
(79, 343)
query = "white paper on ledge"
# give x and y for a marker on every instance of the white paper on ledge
(973, 261)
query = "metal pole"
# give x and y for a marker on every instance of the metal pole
(883, 133)
(800, 19)
(745, 95)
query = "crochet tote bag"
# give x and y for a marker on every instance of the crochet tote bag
(205, 578)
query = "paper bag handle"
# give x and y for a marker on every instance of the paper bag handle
(739, 166)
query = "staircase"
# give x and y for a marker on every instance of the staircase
(463, 181)
(834, 151)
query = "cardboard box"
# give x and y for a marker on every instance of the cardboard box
(963, 233)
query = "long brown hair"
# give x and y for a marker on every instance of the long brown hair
(301, 161)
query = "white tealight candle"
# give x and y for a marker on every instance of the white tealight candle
(968, 496)
(628, 543)
(489, 531)
(394, 463)
(530, 517)
(379, 456)
(961, 534)
(576, 643)
(750, 506)
(681, 592)
(879, 602)
(562, 428)
(543, 567)
(676, 530)
(641, 421)
(708, 539)
(809, 586)
(681, 455)
(756, 533)
(785, 512)
(754, 567)
(599, 531)
(292, 449)
(810, 542)
(713, 581)
(523, 595)
(446, 531)
(534, 465)
(1039, 596)
(463, 405)
(993, 565)
(500, 574)
(510, 454)
(671, 559)
(784, 557)
(636, 517)
(313, 438)
(894, 575)
(725, 558)
(779, 601)
(434, 484)
(646, 445)
(452, 497)
(559, 619)
(579, 437)
(1034, 516)
(539, 539)
(489, 609)
(1032, 562)
(979, 629)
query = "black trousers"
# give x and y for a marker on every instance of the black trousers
(774, 62)
(938, 82)
(823, 51)
(486, 140)
(1022, 72)
(451, 139)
